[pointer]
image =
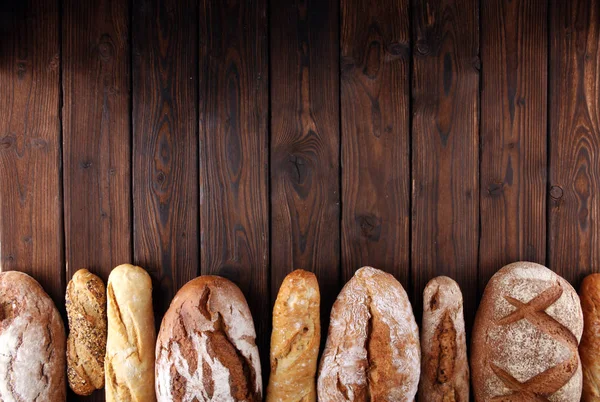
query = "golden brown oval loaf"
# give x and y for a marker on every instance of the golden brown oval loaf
(86, 344)
(589, 349)
(372, 350)
(131, 337)
(525, 337)
(295, 339)
(206, 349)
(32, 342)
(444, 364)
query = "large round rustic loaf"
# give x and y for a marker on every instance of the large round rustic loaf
(32, 342)
(372, 350)
(525, 337)
(131, 337)
(206, 349)
(589, 349)
(444, 364)
(86, 343)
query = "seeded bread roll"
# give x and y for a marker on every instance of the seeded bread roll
(589, 348)
(129, 362)
(32, 342)
(444, 364)
(206, 348)
(86, 344)
(525, 337)
(372, 351)
(295, 339)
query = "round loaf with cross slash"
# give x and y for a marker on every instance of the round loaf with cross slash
(525, 337)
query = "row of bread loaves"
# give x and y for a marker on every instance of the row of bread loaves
(524, 343)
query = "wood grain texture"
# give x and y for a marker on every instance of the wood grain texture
(234, 152)
(513, 134)
(305, 208)
(574, 205)
(31, 225)
(165, 143)
(96, 135)
(445, 146)
(375, 74)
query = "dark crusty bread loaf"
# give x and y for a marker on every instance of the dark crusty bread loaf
(206, 348)
(444, 364)
(525, 337)
(32, 342)
(589, 348)
(131, 337)
(372, 351)
(86, 344)
(295, 339)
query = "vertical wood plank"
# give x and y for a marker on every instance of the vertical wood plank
(375, 58)
(574, 204)
(165, 143)
(96, 135)
(31, 225)
(514, 52)
(234, 151)
(445, 146)
(305, 142)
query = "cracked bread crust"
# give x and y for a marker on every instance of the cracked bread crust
(206, 348)
(86, 343)
(129, 361)
(445, 368)
(525, 337)
(372, 350)
(295, 339)
(32, 342)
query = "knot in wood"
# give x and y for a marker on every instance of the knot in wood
(556, 192)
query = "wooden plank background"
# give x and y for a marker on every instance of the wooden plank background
(248, 138)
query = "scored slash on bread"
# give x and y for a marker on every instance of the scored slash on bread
(372, 350)
(295, 339)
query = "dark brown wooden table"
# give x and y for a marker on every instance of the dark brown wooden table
(246, 138)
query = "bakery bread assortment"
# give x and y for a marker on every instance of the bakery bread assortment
(206, 348)
(372, 350)
(525, 337)
(32, 342)
(129, 361)
(295, 339)
(444, 364)
(86, 344)
(525, 340)
(589, 348)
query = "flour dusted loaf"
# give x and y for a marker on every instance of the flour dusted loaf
(32, 342)
(444, 364)
(525, 337)
(372, 351)
(589, 349)
(129, 361)
(206, 349)
(86, 344)
(295, 339)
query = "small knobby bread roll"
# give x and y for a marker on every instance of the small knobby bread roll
(86, 344)
(372, 351)
(589, 348)
(295, 339)
(525, 337)
(206, 348)
(32, 342)
(129, 362)
(444, 364)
